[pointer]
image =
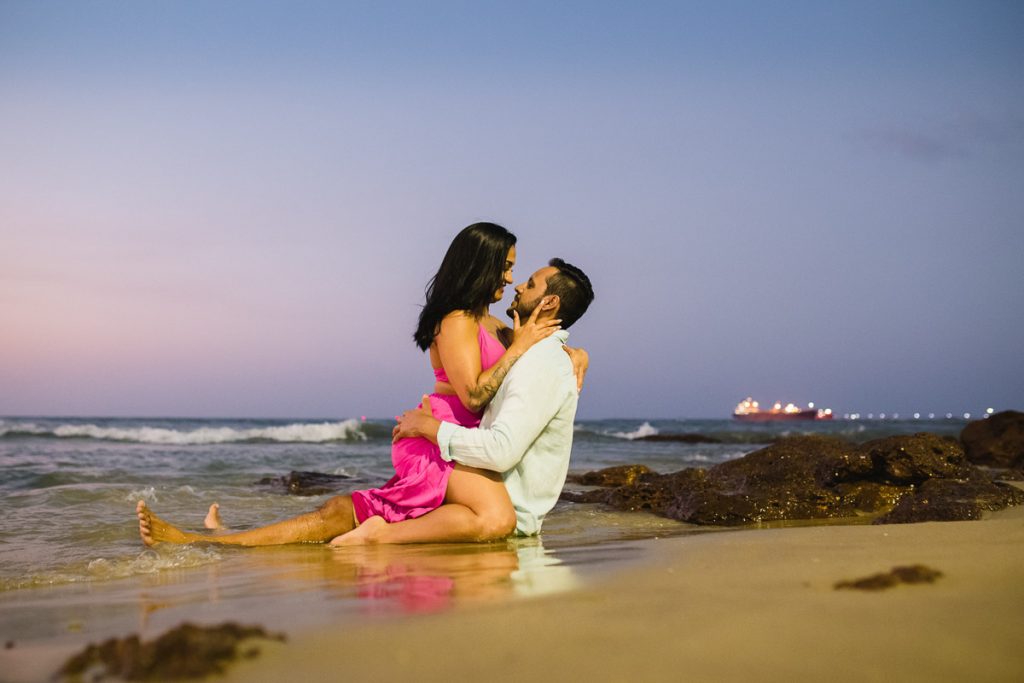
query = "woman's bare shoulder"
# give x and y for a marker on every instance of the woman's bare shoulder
(458, 322)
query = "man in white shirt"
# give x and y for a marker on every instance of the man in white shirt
(523, 442)
(525, 433)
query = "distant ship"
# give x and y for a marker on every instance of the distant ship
(749, 410)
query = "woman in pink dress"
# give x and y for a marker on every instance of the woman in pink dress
(471, 351)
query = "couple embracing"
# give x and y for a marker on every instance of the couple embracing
(486, 454)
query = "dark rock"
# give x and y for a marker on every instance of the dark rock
(680, 438)
(187, 651)
(307, 483)
(650, 491)
(843, 465)
(997, 441)
(777, 482)
(623, 475)
(792, 462)
(867, 496)
(656, 492)
(914, 459)
(917, 573)
(912, 478)
(949, 500)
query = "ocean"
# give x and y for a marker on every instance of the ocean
(73, 570)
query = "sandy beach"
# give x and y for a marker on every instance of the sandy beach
(743, 605)
(604, 594)
(748, 604)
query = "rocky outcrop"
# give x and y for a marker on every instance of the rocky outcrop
(186, 651)
(307, 483)
(623, 475)
(897, 479)
(997, 441)
(950, 500)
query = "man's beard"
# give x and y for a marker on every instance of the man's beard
(524, 310)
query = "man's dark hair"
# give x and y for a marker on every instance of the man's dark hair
(573, 289)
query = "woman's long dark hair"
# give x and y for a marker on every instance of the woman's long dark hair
(472, 270)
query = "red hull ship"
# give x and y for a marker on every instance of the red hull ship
(749, 410)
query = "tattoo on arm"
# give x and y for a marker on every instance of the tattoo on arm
(481, 394)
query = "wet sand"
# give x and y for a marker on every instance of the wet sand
(743, 605)
(713, 606)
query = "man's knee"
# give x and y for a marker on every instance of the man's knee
(497, 524)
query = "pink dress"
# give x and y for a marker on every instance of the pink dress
(421, 475)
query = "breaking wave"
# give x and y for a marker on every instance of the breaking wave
(646, 429)
(302, 432)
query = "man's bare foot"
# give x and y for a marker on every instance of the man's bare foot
(213, 520)
(366, 533)
(154, 530)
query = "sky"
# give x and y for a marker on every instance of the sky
(231, 209)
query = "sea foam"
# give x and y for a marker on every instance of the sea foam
(102, 569)
(298, 432)
(646, 429)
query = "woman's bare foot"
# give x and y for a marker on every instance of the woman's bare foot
(366, 533)
(213, 520)
(154, 530)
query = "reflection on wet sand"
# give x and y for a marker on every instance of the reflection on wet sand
(413, 580)
(384, 579)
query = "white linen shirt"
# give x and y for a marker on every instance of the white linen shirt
(526, 431)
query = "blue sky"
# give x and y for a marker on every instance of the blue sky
(231, 209)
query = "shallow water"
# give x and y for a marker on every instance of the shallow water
(69, 485)
(72, 568)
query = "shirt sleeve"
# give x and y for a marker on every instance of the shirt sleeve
(534, 395)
